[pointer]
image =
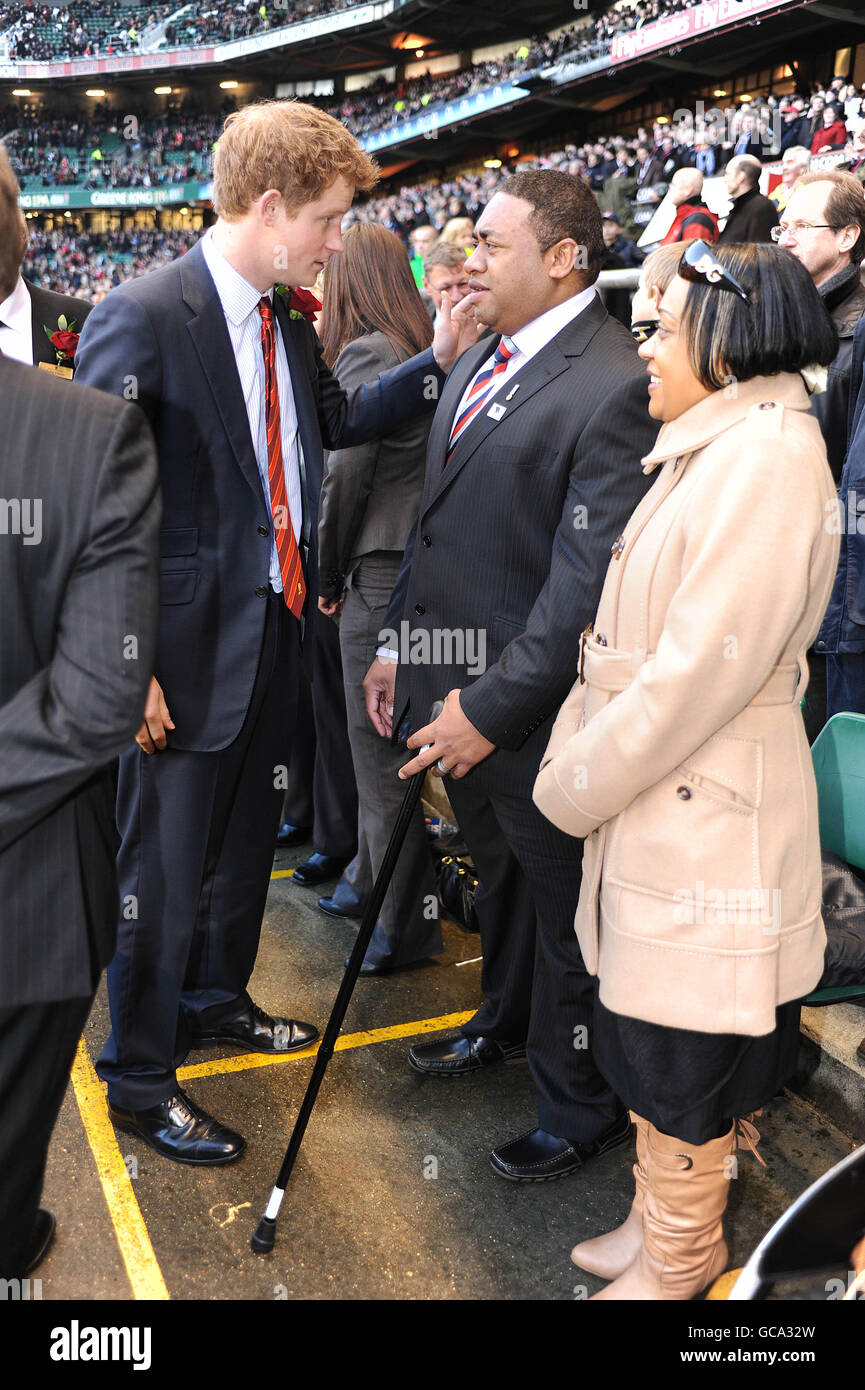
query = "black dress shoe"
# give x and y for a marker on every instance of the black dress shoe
(541, 1157)
(459, 1055)
(43, 1233)
(317, 869)
(289, 835)
(331, 908)
(255, 1031)
(179, 1129)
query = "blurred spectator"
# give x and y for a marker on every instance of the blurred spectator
(795, 162)
(833, 133)
(458, 232)
(615, 241)
(445, 273)
(753, 216)
(824, 227)
(422, 240)
(693, 218)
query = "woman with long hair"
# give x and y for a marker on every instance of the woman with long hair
(373, 318)
(681, 757)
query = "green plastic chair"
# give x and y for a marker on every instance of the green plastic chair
(838, 754)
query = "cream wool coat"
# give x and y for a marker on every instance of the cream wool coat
(683, 759)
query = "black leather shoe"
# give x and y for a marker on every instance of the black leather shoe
(255, 1031)
(317, 869)
(541, 1157)
(179, 1129)
(331, 908)
(459, 1055)
(43, 1234)
(290, 835)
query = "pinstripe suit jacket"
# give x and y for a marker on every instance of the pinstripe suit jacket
(79, 519)
(513, 538)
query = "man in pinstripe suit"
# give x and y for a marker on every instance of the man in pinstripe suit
(79, 519)
(533, 468)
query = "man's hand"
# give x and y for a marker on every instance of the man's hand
(157, 720)
(456, 329)
(330, 607)
(378, 688)
(456, 743)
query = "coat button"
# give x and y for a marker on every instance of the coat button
(683, 793)
(261, 591)
(767, 405)
(419, 609)
(820, 646)
(263, 531)
(427, 540)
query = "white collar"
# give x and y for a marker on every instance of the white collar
(238, 297)
(16, 309)
(535, 335)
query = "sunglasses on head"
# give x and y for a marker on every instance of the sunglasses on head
(643, 329)
(700, 265)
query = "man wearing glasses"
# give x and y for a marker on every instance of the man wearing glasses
(823, 226)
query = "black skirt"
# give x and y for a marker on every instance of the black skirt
(690, 1085)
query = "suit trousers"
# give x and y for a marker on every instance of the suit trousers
(321, 790)
(408, 927)
(535, 985)
(37, 1045)
(198, 833)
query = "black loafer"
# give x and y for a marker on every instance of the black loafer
(288, 835)
(332, 908)
(179, 1129)
(43, 1234)
(255, 1031)
(317, 869)
(459, 1055)
(541, 1157)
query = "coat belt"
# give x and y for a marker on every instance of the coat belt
(606, 668)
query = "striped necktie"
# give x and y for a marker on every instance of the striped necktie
(290, 567)
(482, 387)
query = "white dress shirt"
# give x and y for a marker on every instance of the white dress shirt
(528, 342)
(16, 316)
(239, 301)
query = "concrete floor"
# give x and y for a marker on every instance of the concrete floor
(393, 1196)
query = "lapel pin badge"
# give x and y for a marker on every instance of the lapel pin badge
(496, 412)
(513, 391)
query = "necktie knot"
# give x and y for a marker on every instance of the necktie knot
(505, 349)
(265, 308)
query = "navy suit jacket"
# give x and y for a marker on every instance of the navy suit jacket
(162, 340)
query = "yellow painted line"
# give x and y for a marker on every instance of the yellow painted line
(282, 873)
(720, 1290)
(142, 1267)
(349, 1040)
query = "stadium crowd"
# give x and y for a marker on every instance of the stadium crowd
(84, 28)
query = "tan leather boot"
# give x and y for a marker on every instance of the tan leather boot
(609, 1255)
(683, 1248)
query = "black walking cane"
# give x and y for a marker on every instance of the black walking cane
(262, 1241)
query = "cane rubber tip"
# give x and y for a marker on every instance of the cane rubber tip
(262, 1241)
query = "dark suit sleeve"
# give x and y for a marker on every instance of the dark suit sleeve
(537, 669)
(118, 352)
(349, 476)
(374, 409)
(86, 704)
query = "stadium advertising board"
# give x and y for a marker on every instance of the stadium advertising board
(49, 199)
(428, 123)
(699, 22)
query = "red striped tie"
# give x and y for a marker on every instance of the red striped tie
(290, 567)
(481, 389)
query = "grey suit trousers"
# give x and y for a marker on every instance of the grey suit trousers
(408, 927)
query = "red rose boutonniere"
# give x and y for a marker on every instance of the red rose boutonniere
(63, 340)
(301, 304)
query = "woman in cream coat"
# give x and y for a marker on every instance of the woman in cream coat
(681, 758)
